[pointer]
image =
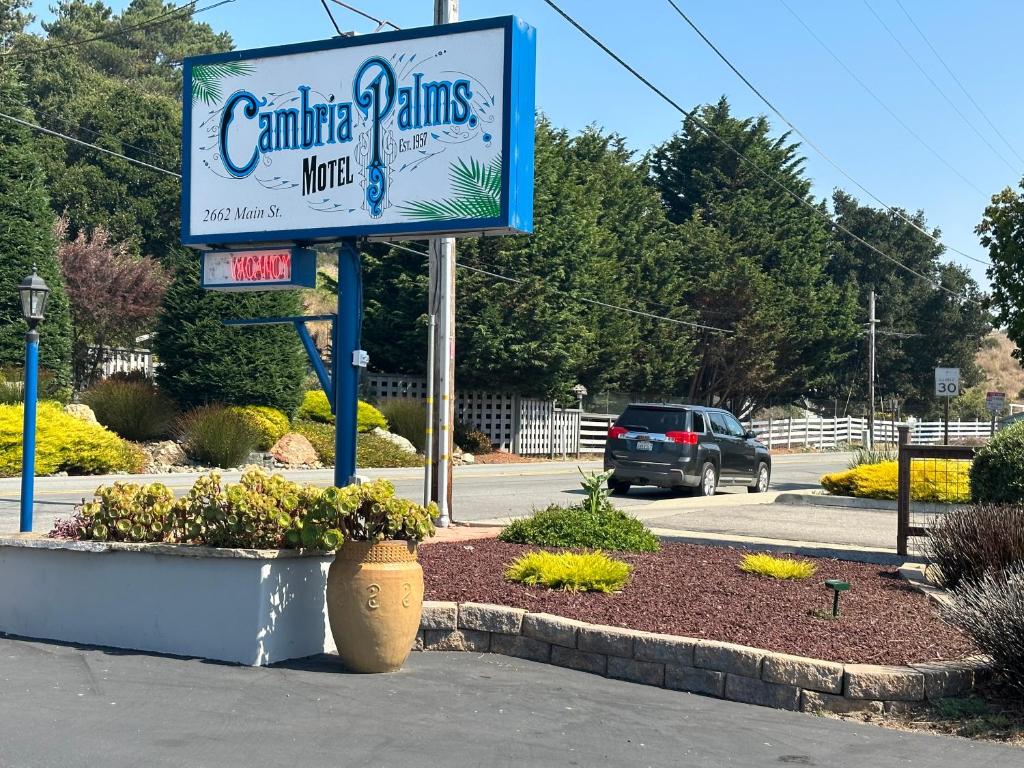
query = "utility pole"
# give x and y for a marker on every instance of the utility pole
(871, 369)
(442, 307)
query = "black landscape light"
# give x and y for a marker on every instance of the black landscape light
(35, 294)
(836, 586)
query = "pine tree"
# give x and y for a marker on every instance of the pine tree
(204, 361)
(27, 240)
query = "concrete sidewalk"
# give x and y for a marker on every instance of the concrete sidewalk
(77, 707)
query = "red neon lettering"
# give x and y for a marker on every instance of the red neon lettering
(261, 267)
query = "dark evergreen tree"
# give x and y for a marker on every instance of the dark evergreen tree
(204, 361)
(27, 240)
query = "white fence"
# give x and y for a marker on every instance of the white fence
(522, 425)
(594, 431)
(832, 433)
(125, 360)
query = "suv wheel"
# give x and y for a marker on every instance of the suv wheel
(708, 480)
(618, 487)
(761, 482)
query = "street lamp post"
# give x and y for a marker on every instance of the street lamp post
(34, 295)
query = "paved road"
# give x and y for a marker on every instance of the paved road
(69, 707)
(481, 492)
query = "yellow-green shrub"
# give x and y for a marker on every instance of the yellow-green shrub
(764, 564)
(369, 418)
(316, 407)
(930, 480)
(570, 571)
(269, 423)
(64, 444)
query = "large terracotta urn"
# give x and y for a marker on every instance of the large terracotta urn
(374, 601)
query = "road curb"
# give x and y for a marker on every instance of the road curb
(851, 552)
(819, 499)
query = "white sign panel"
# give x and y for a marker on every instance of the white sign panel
(424, 131)
(995, 402)
(947, 382)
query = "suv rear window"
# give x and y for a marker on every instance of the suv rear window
(656, 420)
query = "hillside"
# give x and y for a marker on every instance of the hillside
(1002, 371)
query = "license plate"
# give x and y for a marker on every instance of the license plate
(644, 445)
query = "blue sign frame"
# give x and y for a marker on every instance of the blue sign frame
(516, 214)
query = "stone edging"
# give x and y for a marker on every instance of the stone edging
(708, 667)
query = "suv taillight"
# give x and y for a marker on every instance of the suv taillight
(616, 432)
(683, 438)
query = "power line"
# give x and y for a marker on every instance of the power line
(895, 212)
(956, 79)
(520, 281)
(331, 16)
(743, 158)
(155, 20)
(881, 103)
(380, 22)
(936, 86)
(64, 136)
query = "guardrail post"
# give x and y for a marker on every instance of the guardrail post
(769, 432)
(903, 492)
(789, 432)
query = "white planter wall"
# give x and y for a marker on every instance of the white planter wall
(251, 607)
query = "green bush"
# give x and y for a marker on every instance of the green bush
(202, 361)
(407, 418)
(967, 543)
(217, 436)
(876, 455)
(376, 451)
(471, 440)
(997, 473)
(320, 436)
(606, 528)
(316, 407)
(64, 444)
(128, 512)
(570, 571)
(269, 423)
(135, 410)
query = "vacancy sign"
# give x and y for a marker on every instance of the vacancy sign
(417, 132)
(259, 270)
(947, 382)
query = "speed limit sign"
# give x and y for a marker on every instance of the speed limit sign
(947, 382)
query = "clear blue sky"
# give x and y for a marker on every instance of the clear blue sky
(578, 84)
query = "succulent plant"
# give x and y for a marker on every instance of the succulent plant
(127, 512)
(260, 511)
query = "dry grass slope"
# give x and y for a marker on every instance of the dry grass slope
(1002, 371)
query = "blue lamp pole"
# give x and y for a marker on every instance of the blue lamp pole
(34, 295)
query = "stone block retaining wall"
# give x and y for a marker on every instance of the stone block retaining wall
(709, 667)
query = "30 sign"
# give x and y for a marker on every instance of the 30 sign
(947, 382)
(418, 132)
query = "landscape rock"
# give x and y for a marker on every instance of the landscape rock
(294, 450)
(81, 411)
(825, 676)
(871, 681)
(165, 454)
(815, 702)
(397, 440)
(680, 677)
(491, 618)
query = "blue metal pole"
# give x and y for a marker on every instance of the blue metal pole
(346, 373)
(28, 435)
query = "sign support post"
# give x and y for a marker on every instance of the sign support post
(442, 306)
(346, 362)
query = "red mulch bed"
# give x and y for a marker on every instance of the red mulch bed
(698, 591)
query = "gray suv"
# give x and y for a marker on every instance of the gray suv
(684, 447)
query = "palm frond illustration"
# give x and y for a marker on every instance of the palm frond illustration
(206, 79)
(477, 188)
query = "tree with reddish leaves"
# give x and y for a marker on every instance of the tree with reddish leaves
(113, 295)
